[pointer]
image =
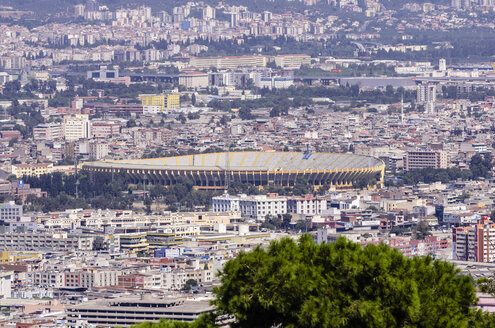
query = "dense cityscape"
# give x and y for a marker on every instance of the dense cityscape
(263, 163)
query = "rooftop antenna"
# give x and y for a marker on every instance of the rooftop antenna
(402, 109)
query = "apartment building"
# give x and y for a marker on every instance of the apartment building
(55, 279)
(104, 129)
(98, 150)
(77, 127)
(425, 159)
(307, 204)
(475, 243)
(35, 169)
(92, 277)
(50, 131)
(29, 241)
(255, 207)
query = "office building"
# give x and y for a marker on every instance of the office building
(10, 212)
(37, 241)
(103, 74)
(127, 311)
(425, 159)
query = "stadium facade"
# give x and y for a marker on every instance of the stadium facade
(210, 171)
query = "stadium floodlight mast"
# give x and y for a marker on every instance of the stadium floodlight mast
(227, 162)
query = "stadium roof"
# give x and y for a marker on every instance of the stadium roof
(249, 161)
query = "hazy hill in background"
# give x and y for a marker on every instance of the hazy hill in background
(53, 6)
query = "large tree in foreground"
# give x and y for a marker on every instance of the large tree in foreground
(302, 284)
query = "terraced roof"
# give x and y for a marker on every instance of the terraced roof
(248, 161)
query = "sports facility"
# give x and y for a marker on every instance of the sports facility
(216, 170)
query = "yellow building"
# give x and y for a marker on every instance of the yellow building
(20, 170)
(161, 101)
(8, 257)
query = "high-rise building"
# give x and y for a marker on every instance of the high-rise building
(209, 13)
(234, 19)
(442, 65)
(475, 243)
(427, 94)
(79, 10)
(266, 16)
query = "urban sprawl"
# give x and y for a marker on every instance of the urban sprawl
(142, 147)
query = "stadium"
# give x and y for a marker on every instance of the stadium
(210, 171)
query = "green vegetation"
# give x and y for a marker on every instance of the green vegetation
(278, 100)
(480, 166)
(301, 284)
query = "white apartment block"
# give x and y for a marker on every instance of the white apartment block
(307, 204)
(5, 284)
(77, 127)
(254, 207)
(98, 150)
(48, 132)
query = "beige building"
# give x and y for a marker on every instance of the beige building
(77, 127)
(230, 62)
(194, 79)
(425, 159)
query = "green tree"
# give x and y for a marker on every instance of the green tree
(204, 321)
(343, 285)
(190, 284)
(487, 285)
(422, 230)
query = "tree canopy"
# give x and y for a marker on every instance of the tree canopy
(302, 284)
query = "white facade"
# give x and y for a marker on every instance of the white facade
(306, 205)
(98, 150)
(255, 207)
(5, 284)
(48, 132)
(276, 82)
(77, 127)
